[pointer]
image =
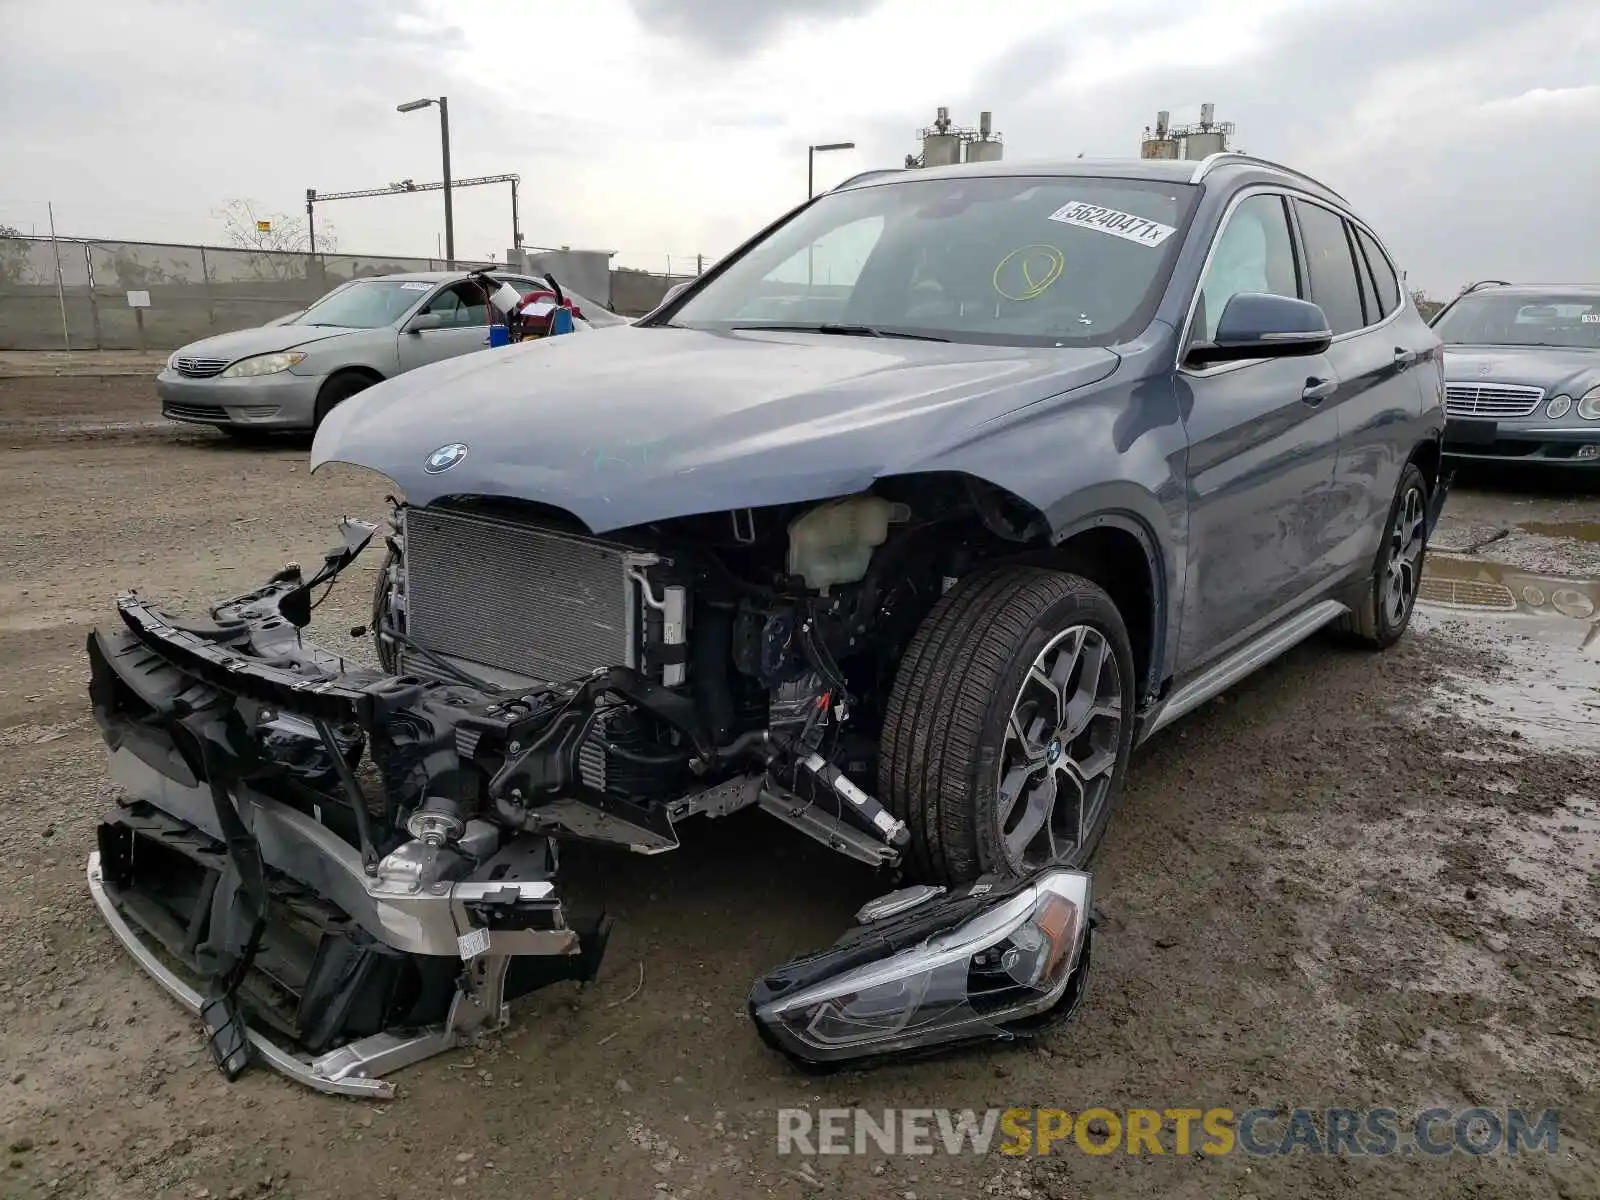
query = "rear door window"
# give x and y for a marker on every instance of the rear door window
(1383, 273)
(462, 303)
(1334, 283)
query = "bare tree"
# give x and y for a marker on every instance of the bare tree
(242, 226)
(1425, 305)
(16, 261)
(277, 244)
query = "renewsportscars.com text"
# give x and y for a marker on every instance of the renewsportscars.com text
(1370, 1132)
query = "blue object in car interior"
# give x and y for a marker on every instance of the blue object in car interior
(561, 321)
(499, 335)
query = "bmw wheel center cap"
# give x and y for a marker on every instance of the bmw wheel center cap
(444, 458)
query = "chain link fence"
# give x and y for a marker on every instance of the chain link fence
(74, 294)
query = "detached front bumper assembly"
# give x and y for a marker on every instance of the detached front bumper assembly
(355, 1068)
(248, 875)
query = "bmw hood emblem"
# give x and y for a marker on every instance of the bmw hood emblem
(444, 458)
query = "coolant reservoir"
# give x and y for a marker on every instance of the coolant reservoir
(833, 543)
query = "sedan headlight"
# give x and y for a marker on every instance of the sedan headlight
(986, 964)
(263, 364)
(172, 361)
(1558, 407)
(1589, 406)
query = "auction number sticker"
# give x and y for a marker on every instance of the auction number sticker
(1110, 220)
(415, 287)
(472, 944)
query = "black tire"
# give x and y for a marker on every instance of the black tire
(945, 734)
(337, 390)
(1381, 618)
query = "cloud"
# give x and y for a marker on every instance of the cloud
(734, 28)
(1459, 127)
(1456, 126)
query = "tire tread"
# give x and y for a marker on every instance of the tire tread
(934, 721)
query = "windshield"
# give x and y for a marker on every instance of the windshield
(998, 260)
(366, 303)
(1486, 319)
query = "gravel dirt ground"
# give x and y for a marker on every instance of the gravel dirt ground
(1353, 881)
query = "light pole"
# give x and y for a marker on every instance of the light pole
(811, 175)
(811, 162)
(444, 138)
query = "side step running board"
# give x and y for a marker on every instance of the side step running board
(1249, 657)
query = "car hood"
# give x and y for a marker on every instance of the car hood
(267, 339)
(1557, 369)
(634, 424)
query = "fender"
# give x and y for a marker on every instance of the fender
(1111, 453)
(1163, 567)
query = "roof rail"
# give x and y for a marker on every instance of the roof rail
(867, 175)
(1223, 157)
(1483, 283)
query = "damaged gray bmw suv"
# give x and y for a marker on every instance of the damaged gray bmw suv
(905, 524)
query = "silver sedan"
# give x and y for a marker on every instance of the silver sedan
(287, 375)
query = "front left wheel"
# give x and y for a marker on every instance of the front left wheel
(336, 391)
(1009, 727)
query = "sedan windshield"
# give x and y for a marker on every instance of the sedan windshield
(366, 303)
(999, 260)
(1486, 319)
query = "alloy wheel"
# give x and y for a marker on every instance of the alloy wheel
(1404, 569)
(1058, 759)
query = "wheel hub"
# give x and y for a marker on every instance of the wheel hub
(1407, 542)
(1060, 750)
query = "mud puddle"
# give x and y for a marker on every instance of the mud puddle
(1543, 629)
(1577, 531)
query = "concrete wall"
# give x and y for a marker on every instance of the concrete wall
(634, 293)
(587, 272)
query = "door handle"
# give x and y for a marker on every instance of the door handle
(1318, 390)
(1404, 357)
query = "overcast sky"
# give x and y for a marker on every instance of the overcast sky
(1465, 130)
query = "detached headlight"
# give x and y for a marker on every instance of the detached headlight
(263, 364)
(1558, 407)
(1589, 406)
(984, 965)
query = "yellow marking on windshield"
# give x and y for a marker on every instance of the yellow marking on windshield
(1040, 269)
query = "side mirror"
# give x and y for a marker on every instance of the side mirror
(1259, 325)
(673, 292)
(424, 321)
